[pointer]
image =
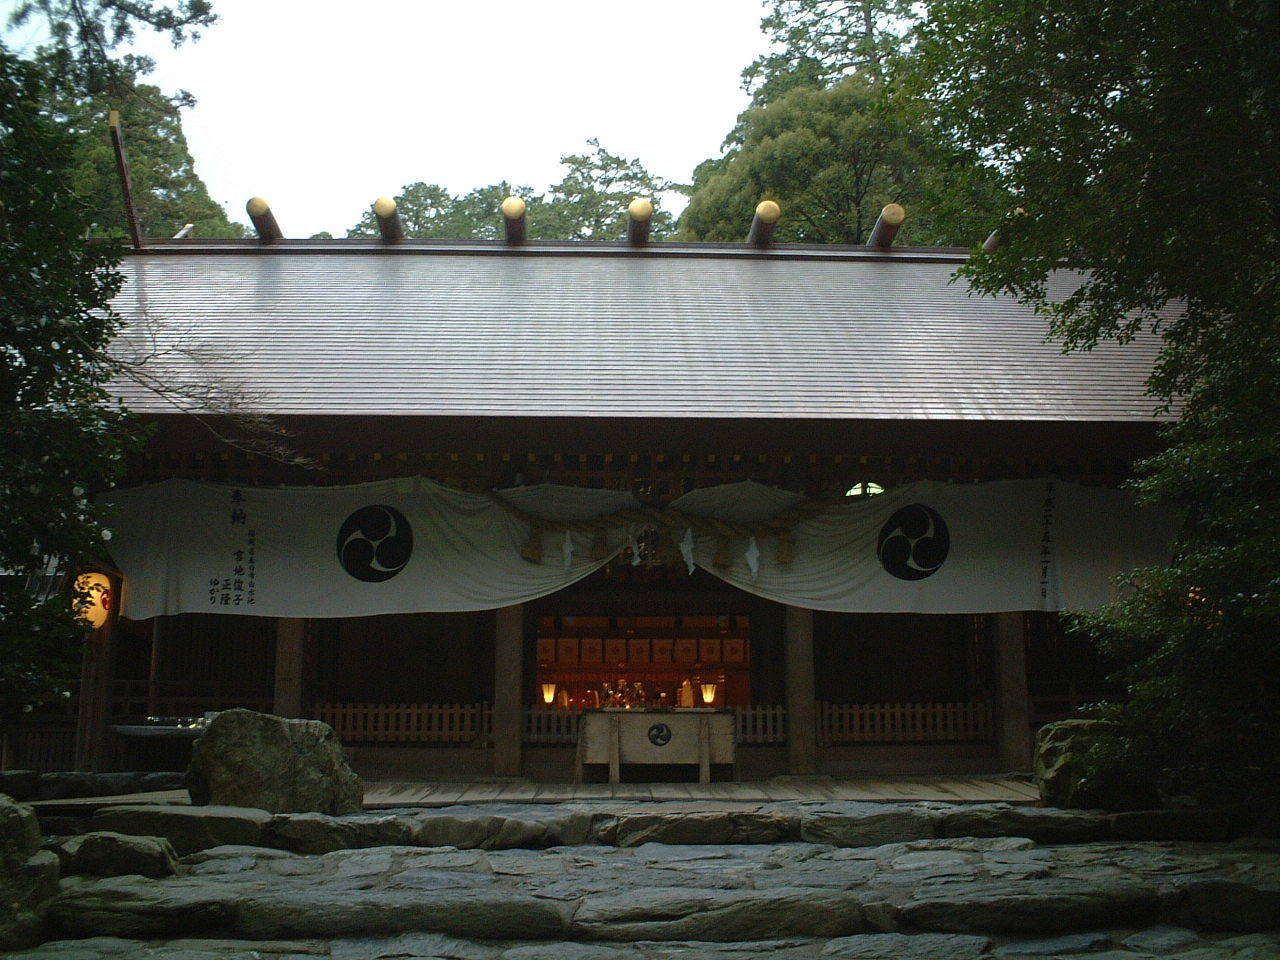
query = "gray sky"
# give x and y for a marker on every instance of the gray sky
(322, 106)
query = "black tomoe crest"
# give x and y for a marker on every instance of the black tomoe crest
(375, 543)
(913, 542)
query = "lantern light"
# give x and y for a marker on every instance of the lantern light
(97, 600)
(708, 693)
(548, 693)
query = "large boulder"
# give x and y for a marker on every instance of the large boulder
(250, 759)
(28, 875)
(1076, 767)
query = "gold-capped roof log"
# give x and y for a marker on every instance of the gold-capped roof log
(264, 221)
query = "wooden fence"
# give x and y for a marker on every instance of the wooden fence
(43, 744)
(904, 722)
(542, 725)
(472, 723)
(760, 723)
(458, 723)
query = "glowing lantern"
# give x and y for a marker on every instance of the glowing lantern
(548, 693)
(96, 606)
(708, 692)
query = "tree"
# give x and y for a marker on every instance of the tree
(832, 157)
(62, 437)
(590, 202)
(818, 42)
(429, 211)
(1140, 141)
(167, 191)
(83, 34)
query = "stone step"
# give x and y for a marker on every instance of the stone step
(1101, 945)
(539, 826)
(731, 893)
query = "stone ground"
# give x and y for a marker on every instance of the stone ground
(925, 881)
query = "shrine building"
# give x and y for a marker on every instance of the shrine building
(826, 491)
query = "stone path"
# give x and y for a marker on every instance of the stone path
(381, 794)
(835, 880)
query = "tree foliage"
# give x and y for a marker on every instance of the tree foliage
(589, 203)
(1140, 142)
(832, 158)
(83, 34)
(61, 437)
(820, 41)
(168, 193)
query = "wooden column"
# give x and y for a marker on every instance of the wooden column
(94, 714)
(802, 713)
(1013, 703)
(291, 635)
(508, 687)
(156, 667)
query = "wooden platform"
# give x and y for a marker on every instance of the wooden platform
(383, 794)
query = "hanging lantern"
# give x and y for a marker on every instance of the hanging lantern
(96, 606)
(548, 693)
(708, 693)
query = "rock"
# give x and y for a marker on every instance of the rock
(252, 759)
(188, 828)
(683, 913)
(901, 946)
(1046, 907)
(703, 828)
(109, 854)
(1036, 823)
(320, 833)
(137, 907)
(28, 875)
(465, 912)
(1161, 939)
(499, 832)
(1072, 773)
(880, 824)
(1052, 947)
(1217, 904)
(19, 784)
(70, 784)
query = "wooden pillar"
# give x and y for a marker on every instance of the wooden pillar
(156, 667)
(94, 715)
(291, 635)
(1013, 703)
(508, 690)
(802, 715)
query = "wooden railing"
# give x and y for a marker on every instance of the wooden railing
(549, 725)
(472, 723)
(904, 722)
(760, 723)
(465, 723)
(43, 744)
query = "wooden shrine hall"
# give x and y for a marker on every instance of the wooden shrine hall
(525, 483)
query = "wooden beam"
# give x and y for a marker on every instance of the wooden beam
(513, 219)
(801, 692)
(264, 221)
(762, 225)
(887, 226)
(389, 225)
(126, 179)
(639, 221)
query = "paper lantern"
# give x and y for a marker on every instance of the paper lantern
(96, 606)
